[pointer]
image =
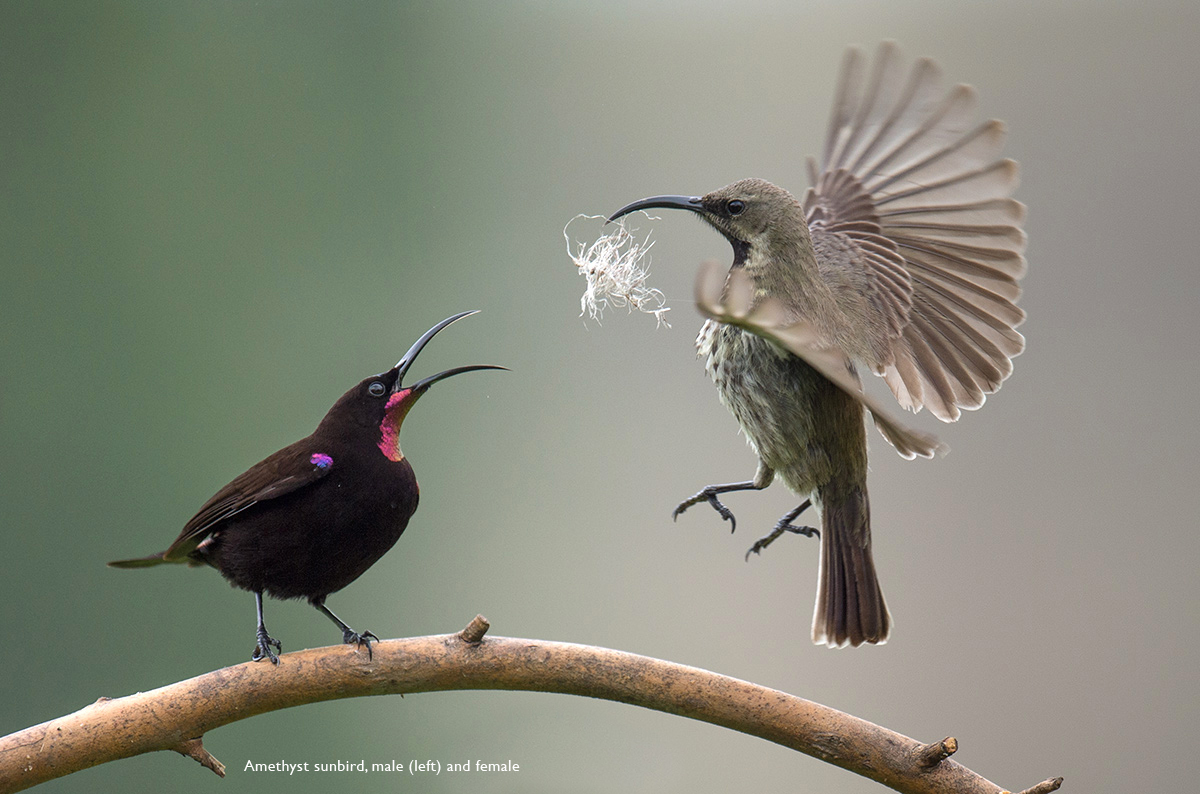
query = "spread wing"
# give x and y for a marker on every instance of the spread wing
(914, 193)
(730, 299)
(288, 470)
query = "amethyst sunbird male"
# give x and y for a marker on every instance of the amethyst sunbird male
(311, 518)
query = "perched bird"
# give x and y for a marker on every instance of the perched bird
(903, 257)
(311, 518)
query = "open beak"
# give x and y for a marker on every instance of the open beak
(406, 361)
(660, 202)
(422, 385)
(408, 358)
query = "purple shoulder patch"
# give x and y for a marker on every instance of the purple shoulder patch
(321, 461)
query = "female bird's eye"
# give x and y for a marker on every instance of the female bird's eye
(735, 207)
(376, 389)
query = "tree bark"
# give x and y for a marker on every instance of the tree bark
(176, 717)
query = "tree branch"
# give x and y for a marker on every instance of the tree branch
(175, 717)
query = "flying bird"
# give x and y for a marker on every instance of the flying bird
(902, 258)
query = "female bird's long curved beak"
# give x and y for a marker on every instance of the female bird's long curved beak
(660, 202)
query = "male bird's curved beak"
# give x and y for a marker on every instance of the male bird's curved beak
(403, 398)
(421, 386)
(692, 203)
(408, 358)
(406, 361)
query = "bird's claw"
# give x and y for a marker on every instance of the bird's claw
(780, 528)
(710, 496)
(760, 544)
(808, 532)
(354, 638)
(263, 650)
(683, 506)
(723, 511)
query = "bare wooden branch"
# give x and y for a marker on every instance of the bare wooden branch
(1045, 787)
(928, 755)
(473, 633)
(175, 717)
(194, 748)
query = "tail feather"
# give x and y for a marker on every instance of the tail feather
(850, 607)
(141, 562)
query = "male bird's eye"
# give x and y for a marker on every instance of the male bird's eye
(376, 389)
(735, 207)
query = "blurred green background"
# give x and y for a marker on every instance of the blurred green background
(218, 216)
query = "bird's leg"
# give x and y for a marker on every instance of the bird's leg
(785, 525)
(349, 635)
(762, 478)
(265, 641)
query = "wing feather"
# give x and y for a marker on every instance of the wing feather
(288, 470)
(730, 299)
(913, 191)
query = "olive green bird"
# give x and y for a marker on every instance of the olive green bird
(903, 258)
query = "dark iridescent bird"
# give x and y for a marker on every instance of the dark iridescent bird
(903, 258)
(310, 519)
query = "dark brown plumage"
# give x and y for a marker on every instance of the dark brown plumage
(903, 257)
(311, 518)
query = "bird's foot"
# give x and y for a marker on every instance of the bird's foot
(709, 495)
(263, 650)
(780, 528)
(354, 638)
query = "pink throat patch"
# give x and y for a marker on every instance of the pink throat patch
(389, 429)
